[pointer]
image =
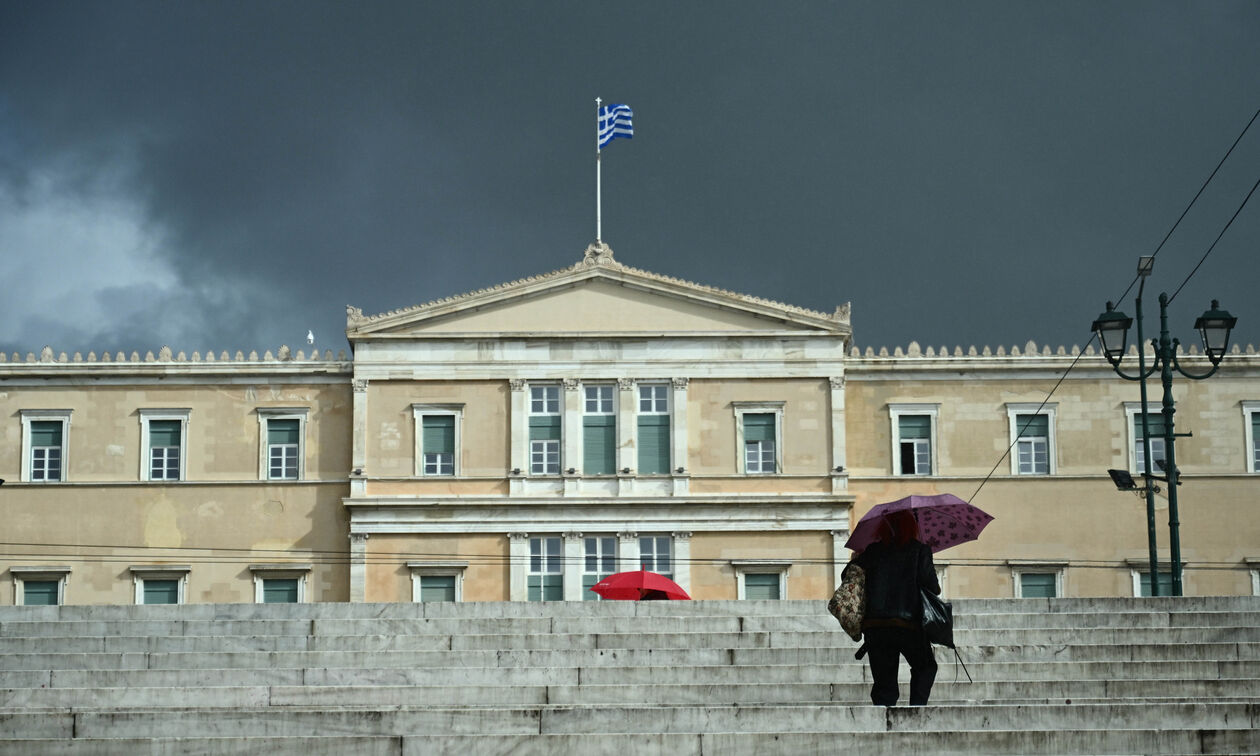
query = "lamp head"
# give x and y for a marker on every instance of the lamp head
(1112, 328)
(1123, 480)
(1214, 327)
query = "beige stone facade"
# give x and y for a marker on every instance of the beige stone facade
(520, 442)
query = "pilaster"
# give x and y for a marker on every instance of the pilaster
(358, 567)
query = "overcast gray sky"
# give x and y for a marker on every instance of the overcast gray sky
(226, 175)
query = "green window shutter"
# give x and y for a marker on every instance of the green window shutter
(599, 444)
(914, 426)
(46, 433)
(759, 427)
(653, 444)
(544, 428)
(1037, 585)
(1038, 426)
(161, 591)
(437, 587)
(1154, 421)
(164, 433)
(1165, 583)
(280, 590)
(588, 582)
(761, 585)
(439, 434)
(278, 432)
(39, 592)
(546, 588)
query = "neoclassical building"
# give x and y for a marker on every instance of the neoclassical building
(521, 442)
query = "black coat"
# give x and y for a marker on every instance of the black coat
(894, 575)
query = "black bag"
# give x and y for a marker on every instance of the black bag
(938, 619)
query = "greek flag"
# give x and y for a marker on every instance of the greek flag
(614, 122)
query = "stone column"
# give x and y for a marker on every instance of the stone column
(627, 418)
(678, 436)
(518, 464)
(839, 554)
(682, 559)
(358, 567)
(839, 461)
(628, 551)
(573, 566)
(571, 438)
(358, 453)
(518, 566)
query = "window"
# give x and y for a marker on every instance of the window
(283, 583)
(761, 586)
(599, 431)
(438, 429)
(39, 586)
(545, 580)
(655, 555)
(433, 581)
(1032, 434)
(1037, 585)
(1251, 429)
(914, 438)
(163, 436)
(761, 579)
(653, 430)
(282, 431)
(160, 584)
(758, 429)
(44, 439)
(1142, 583)
(600, 561)
(1159, 451)
(544, 430)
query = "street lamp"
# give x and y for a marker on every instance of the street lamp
(1112, 328)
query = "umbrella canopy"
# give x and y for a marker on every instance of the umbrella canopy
(944, 520)
(638, 585)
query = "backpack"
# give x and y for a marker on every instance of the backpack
(848, 603)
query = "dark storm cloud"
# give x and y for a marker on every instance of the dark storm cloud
(979, 173)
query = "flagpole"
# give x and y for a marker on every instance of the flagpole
(598, 230)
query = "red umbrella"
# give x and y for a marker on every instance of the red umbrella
(944, 520)
(639, 585)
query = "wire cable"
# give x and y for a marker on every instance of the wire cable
(1218, 238)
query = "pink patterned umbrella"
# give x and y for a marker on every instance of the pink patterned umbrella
(944, 520)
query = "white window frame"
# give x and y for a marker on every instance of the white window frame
(146, 462)
(20, 575)
(177, 572)
(1131, 412)
(1140, 567)
(1252, 462)
(895, 411)
(654, 400)
(545, 563)
(1050, 410)
(758, 408)
(267, 414)
(656, 538)
(601, 389)
(743, 567)
(45, 415)
(281, 571)
(545, 445)
(1019, 568)
(418, 413)
(439, 568)
(600, 555)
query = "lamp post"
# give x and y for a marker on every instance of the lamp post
(1112, 328)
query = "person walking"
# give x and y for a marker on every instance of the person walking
(897, 566)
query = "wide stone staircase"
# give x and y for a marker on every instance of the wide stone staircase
(1051, 676)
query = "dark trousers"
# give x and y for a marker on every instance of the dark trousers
(883, 646)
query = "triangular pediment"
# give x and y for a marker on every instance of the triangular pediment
(596, 296)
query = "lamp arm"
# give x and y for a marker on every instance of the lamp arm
(1176, 363)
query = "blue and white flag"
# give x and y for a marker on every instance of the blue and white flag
(614, 122)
